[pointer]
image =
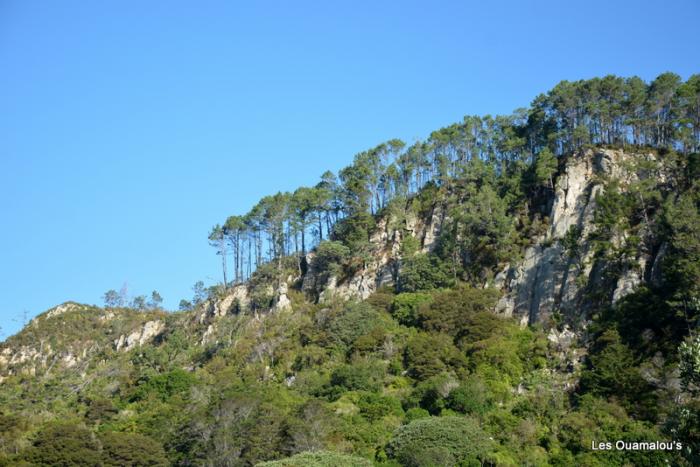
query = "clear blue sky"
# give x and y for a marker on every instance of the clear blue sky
(127, 129)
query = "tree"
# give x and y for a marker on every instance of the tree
(217, 239)
(689, 128)
(319, 459)
(131, 450)
(428, 355)
(139, 303)
(453, 312)
(303, 203)
(635, 91)
(613, 372)
(64, 444)
(156, 301)
(404, 307)
(480, 234)
(424, 272)
(200, 293)
(275, 211)
(328, 204)
(112, 299)
(235, 229)
(662, 107)
(545, 168)
(689, 366)
(439, 441)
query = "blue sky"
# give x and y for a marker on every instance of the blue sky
(129, 128)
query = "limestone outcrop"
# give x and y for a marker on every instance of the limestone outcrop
(139, 336)
(549, 279)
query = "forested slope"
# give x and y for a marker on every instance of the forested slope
(507, 292)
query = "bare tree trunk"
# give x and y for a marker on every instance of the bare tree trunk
(303, 239)
(250, 263)
(223, 259)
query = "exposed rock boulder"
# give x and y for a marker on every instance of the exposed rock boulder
(549, 279)
(139, 336)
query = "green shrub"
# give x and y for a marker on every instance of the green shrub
(64, 444)
(319, 459)
(375, 406)
(357, 377)
(165, 385)
(424, 272)
(404, 307)
(427, 355)
(382, 298)
(131, 450)
(431, 394)
(416, 413)
(453, 439)
(370, 342)
(471, 397)
(463, 313)
(329, 259)
(409, 246)
(355, 320)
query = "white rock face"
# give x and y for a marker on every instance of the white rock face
(140, 336)
(282, 303)
(69, 360)
(206, 337)
(381, 270)
(548, 279)
(630, 279)
(63, 308)
(236, 296)
(5, 357)
(561, 340)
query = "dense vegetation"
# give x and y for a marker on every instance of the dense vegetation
(422, 373)
(492, 165)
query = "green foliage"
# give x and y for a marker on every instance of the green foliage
(131, 450)
(596, 420)
(682, 265)
(65, 445)
(455, 440)
(614, 372)
(424, 272)
(374, 406)
(689, 366)
(382, 299)
(409, 246)
(404, 307)
(571, 241)
(455, 312)
(503, 358)
(416, 413)
(319, 459)
(357, 377)
(330, 256)
(355, 320)
(100, 410)
(428, 355)
(479, 236)
(545, 167)
(331, 377)
(165, 386)
(471, 397)
(432, 393)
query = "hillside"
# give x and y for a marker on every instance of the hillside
(508, 292)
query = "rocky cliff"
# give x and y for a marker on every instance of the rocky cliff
(550, 279)
(547, 280)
